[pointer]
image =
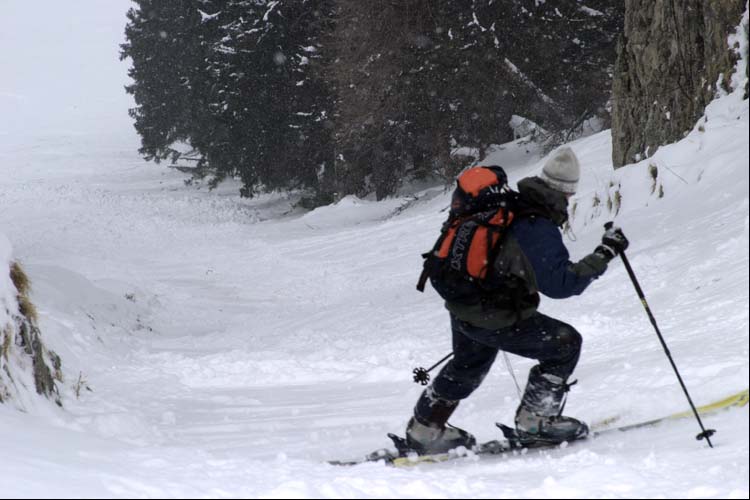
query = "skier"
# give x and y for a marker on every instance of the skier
(534, 246)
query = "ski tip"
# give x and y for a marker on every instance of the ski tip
(508, 432)
(400, 443)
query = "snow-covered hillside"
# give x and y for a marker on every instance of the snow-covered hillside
(233, 346)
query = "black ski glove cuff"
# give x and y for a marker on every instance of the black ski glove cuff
(591, 266)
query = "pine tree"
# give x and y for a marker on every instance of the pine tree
(358, 96)
(237, 80)
(565, 51)
(164, 42)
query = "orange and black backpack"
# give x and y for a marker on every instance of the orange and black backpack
(482, 209)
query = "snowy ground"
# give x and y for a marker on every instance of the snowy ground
(233, 346)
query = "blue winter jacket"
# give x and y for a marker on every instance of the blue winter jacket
(556, 276)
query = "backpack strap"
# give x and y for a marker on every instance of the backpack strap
(425, 271)
(497, 225)
(509, 216)
(429, 256)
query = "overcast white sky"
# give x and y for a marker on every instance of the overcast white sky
(59, 68)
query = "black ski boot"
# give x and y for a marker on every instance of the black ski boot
(539, 417)
(428, 431)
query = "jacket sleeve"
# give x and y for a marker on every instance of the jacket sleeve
(557, 277)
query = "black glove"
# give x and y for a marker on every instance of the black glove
(613, 243)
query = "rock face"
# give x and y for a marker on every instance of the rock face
(670, 59)
(24, 359)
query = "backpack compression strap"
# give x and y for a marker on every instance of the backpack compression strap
(449, 230)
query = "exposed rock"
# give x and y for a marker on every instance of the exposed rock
(22, 350)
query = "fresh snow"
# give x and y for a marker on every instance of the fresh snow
(233, 346)
(590, 11)
(8, 304)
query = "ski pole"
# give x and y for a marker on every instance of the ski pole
(421, 376)
(705, 433)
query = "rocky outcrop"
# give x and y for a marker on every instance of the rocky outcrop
(24, 359)
(670, 59)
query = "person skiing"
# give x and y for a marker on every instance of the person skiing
(534, 248)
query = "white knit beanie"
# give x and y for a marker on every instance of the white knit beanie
(562, 171)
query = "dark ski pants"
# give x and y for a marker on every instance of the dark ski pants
(555, 344)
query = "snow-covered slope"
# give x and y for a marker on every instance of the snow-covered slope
(233, 346)
(232, 355)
